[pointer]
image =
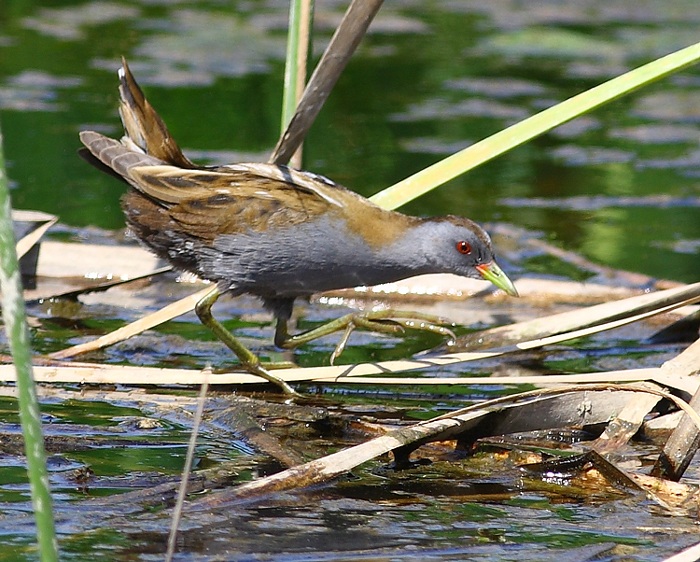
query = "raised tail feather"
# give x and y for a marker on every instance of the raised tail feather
(143, 125)
(159, 181)
(112, 156)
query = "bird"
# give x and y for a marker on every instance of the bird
(273, 231)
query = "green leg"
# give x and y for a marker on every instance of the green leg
(248, 359)
(384, 321)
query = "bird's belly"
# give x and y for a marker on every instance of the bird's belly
(306, 281)
(307, 259)
(297, 261)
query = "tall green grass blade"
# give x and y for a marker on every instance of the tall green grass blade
(298, 41)
(289, 101)
(297, 49)
(503, 141)
(14, 316)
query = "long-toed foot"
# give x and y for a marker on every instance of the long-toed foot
(387, 321)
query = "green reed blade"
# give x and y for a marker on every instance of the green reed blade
(503, 141)
(15, 318)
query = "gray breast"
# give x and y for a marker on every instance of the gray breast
(307, 258)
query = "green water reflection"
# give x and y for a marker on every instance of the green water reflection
(424, 84)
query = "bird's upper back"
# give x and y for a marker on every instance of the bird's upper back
(261, 197)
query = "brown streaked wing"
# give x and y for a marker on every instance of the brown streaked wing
(305, 181)
(170, 184)
(246, 208)
(206, 203)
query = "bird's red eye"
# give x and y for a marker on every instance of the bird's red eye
(464, 247)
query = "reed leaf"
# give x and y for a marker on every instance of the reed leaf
(416, 185)
(15, 319)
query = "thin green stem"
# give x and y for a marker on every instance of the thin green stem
(15, 318)
(298, 40)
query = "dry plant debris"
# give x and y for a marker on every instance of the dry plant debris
(620, 410)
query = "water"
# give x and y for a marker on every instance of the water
(424, 84)
(619, 186)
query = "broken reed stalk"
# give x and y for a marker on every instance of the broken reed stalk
(345, 40)
(446, 427)
(15, 318)
(681, 447)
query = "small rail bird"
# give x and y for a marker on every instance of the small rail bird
(273, 231)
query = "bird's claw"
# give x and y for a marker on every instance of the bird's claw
(382, 322)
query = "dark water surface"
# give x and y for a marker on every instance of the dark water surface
(620, 186)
